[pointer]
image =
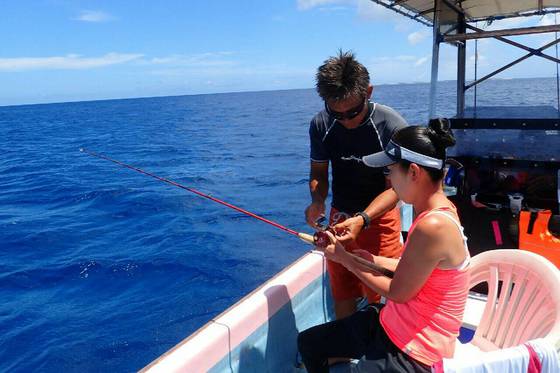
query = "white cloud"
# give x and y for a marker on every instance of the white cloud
(370, 11)
(406, 58)
(421, 61)
(332, 9)
(238, 70)
(400, 68)
(94, 16)
(473, 57)
(68, 62)
(209, 59)
(366, 10)
(547, 20)
(482, 62)
(404, 24)
(309, 4)
(417, 37)
(400, 58)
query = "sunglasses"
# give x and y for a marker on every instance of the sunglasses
(350, 114)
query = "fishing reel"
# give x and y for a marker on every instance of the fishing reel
(320, 237)
(321, 240)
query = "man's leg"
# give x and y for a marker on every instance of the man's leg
(345, 287)
(344, 308)
(381, 238)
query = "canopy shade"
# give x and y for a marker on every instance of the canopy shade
(474, 10)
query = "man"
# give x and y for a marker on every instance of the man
(350, 127)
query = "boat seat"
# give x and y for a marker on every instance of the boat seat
(523, 305)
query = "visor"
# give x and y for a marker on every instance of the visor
(394, 153)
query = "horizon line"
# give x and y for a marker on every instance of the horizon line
(232, 92)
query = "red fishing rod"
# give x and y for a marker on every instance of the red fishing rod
(192, 190)
(319, 239)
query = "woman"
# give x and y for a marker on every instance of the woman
(426, 298)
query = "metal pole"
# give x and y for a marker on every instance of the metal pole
(475, 73)
(508, 32)
(557, 77)
(435, 61)
(461, 68)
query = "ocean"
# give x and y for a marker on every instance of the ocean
(102, 268)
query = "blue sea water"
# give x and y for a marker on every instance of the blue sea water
(102, 268)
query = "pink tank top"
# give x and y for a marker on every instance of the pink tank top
(427, 326)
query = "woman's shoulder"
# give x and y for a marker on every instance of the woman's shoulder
(436, 233)
(442, 237)
(436, 222)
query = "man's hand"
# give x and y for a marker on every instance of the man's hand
(313, 212)
(350, 229)
(380, 205)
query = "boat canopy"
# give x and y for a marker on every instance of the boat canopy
(473, 10)
(453, 22)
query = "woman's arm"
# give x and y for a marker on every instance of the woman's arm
(388, 263)
(425, 250)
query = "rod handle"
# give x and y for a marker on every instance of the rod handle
(307, 238)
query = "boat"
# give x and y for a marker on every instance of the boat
(513, 309)
(258, 334)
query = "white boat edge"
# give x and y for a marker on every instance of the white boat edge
(243, 330)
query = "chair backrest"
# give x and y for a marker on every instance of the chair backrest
(523, 298)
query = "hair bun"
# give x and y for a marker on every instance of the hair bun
(439, 131)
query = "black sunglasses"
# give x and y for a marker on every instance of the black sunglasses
(350, 114)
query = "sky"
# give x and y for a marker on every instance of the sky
(62, 50)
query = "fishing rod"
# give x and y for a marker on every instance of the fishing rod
(319, 239)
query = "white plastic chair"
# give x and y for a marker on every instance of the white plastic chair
(526, 307)
(523, 305)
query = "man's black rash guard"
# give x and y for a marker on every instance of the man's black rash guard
(354, 185)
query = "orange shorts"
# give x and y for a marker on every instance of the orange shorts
(383, 238)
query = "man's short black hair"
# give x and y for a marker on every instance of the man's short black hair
(341, 77)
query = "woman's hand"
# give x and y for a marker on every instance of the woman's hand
(335, 251)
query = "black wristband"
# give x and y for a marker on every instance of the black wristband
(366, 218)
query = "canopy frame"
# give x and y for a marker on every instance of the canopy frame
(450, 23)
